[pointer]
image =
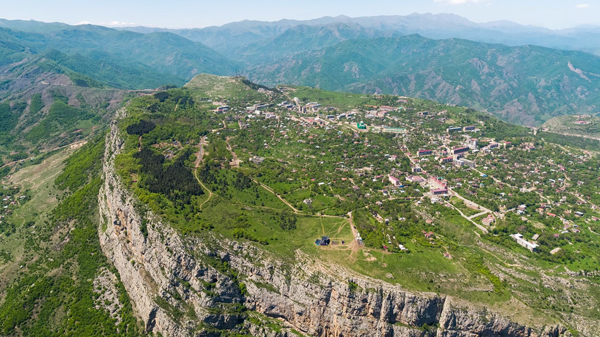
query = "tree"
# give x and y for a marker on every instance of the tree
(287, 220)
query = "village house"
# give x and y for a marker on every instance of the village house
(395, 181)
(521, 241)
(441, 191)
(223, 108)
(415, 179)
(489, 220)
(460, 150)
(446, 160)
(424, 153)
(257, 160)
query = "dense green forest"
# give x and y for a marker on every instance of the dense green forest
(61, 117)
(176, 181)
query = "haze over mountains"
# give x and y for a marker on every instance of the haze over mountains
(435, 26)
(496, 70)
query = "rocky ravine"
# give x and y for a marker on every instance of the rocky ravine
(182, 286)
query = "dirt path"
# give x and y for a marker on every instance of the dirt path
(339, 228)
(483, 229)
(355, 247)
(322, 227)
(270, 190)
(585, 201)
(199, 159)
(477, 215)
(220, 129)
(467, 201)
(575, 135)
(235, 162)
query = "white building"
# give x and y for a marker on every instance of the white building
(520, 240)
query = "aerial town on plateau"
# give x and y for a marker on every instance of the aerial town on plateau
(382, 174)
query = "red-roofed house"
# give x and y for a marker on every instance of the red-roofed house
(395, 181)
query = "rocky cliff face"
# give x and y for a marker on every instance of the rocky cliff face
(182, 286)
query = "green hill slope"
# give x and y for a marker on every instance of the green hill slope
(302, 38)
(526, 84)
(164, 53)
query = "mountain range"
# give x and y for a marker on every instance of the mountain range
(523, 74)
(140, 60)
(435, 26)
(524, 85)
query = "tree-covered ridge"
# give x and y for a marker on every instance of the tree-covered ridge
(52, 111)
(525, 85)
(141, 128)
(8, 118)
(61, 117)
(54, 295)
(119, 58)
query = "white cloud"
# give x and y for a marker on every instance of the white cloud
(118, 24)
(109, 24)
(461, 2)
(581, 6)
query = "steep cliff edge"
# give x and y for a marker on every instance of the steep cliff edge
(203, 285)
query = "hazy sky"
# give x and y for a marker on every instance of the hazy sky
(201, 13)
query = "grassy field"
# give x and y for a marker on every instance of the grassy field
(38, 180)
(568, 125)
(223, 88)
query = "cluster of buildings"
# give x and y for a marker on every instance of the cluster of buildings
(256, 108)
(454, 129)
(437, 186)
(8, 204)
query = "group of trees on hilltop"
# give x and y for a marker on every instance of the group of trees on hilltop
(242, 182)
(141, 128)
(174, 181)
(168, 100)
(287, 220)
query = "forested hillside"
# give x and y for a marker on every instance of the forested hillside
(525, 85)
(118, 58)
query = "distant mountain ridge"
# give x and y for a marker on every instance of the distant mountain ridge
(143, 60)
(525, 85)
(59, 82)
(448, 61)
(436, 26)
(303, 38)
